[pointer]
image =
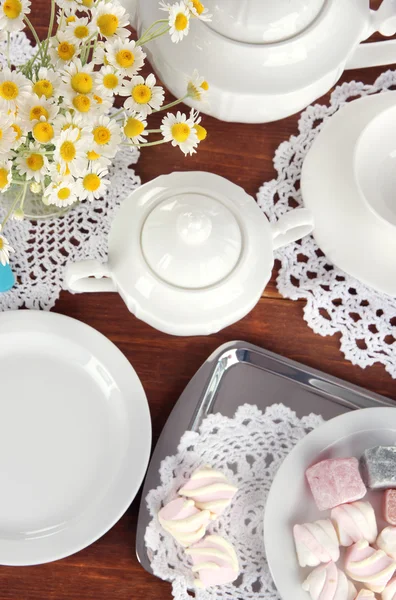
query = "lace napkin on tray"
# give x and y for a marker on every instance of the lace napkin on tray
(249, 449)
(335, 302)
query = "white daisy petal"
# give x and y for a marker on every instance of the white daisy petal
(32, 163)
(143, 95)
(13, 88)
(93, 183)
(179, 21)
(5, 175)
(12, 13)
(180, 131)
(111, 20)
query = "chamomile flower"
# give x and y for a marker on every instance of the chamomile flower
(5, 175)
(107, 136)
(101, 103)
(197, 87)
(63, 49)
(180, 131)
(179, 21)
(71, 153)
(144, 95)
(43, 131)
(35, 109)
(96, 158)
(108, 81)
(125, 56)
(46, 83)
(32, 163)
(20, 132)
(5, 250)
(13, 88)
(61, 191)
(135, 128)
(77, 78)
(66, 15)
(81, 29)
(69, 4)
(93, 183)
(72, 120)
(7, 134)
(198, 10)
(111, 20)
(201, 131)
(12, 13)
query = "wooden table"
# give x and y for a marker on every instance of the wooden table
(109, 569)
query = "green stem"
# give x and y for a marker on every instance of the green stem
(171, 104)
(153, 130)
(157, 143)
(86, 48)
(155, 36)
(23, 196)
(140, 41)
(117, 113)
(12, 207)
(51, 25)
(32, 29)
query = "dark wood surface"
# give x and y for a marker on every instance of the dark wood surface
(109, 569)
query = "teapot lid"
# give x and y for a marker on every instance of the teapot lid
(190, 252)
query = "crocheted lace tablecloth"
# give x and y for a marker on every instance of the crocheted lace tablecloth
(43, 248)
(248, 449)
(335, 302)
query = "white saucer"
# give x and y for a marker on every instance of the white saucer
(346, 229)
(75, 436)
(290, 500)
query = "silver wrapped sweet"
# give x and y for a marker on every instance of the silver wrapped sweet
(378, 466)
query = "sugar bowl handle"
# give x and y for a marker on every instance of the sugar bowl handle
(89, 276)
(291, 227)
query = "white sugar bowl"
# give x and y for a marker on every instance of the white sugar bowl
(190, 253)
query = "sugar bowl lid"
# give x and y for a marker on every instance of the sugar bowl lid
(190, 252)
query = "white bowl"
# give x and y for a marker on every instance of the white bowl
(375, 165)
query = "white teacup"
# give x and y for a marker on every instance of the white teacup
(375, 165)
(262, 21)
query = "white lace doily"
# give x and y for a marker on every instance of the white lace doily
(248, 449)
(43, 248)
(336, 302)
(21, 49)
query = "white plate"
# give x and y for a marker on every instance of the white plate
(356, 240)
(290, 500)
(75, 436)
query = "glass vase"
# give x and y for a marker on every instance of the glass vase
(33, 206)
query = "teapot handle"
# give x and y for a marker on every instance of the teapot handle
(89, 276)
(375, 54)
(292, 226)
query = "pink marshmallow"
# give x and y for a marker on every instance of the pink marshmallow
(369, 566)
(390, 506)
(335, 481)
(214, 561)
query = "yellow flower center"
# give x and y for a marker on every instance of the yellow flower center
(9, 90)
(88, 3)
(63, 193)
(43, 87)
(1, 133)
(125, 58)
(180, 132)
(141, 93)
(92, 155)
(102, 135)
(66, 51)
(181, 22)
(3, 178)
(107, 24)
(17, 130)
(82, 103)
(91, 182)
(205, 86)
(12, 8)
(199, 7)
(36, 112)
(81, 32)
(67, 151)
(82, 83)
(133, 127)
(43, 132)
(201, 132)
(1, 243)
(70, 19)
(98, 99)
(35, 162)
(110, 81)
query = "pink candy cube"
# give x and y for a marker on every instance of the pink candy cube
(390, 507)
(335, 481)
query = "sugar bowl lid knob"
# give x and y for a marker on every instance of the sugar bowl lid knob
(191, 240)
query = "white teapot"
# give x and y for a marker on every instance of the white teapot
(268, 59)
(190, 253)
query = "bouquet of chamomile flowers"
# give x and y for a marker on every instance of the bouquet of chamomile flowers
(59, 131)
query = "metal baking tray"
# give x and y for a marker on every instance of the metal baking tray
(239, 373)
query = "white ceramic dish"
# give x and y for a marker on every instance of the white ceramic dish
(356, 240)
(75, 436)
(286, 53)
(290, 500)
(375, 164)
